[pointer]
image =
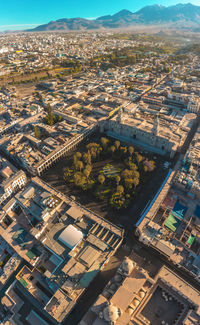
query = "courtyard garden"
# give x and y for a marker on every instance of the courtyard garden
(109, 172)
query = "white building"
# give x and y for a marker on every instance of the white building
(11, 179)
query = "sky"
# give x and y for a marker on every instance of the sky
(23, 14)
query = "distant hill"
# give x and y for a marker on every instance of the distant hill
(178, 16)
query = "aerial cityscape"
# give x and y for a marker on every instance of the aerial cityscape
(100, 165)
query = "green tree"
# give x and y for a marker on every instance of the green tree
(104, 142)
(133, 166)
(118, 179)
(37, 132)
(120, 190)
(67, 173)
(75, 162)
(117, 144)
(136, 182)
(123, 150)
(94, 153)
(131, 150)
(126, 173)
(78, 155)
(112, 149)
(79, 180)
(129, 183)
(87, 171)
(80, 165)
(50, 118)
(101, 179)
(139, 158)
(87, 158)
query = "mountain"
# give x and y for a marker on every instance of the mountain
(177, 16)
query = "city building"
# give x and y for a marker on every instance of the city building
(133, 297)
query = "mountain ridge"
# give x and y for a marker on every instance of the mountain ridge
(179, 16)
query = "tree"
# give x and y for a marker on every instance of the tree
(79, 180)
(139, 158)
(86, 172)
(135, 174)
(99, 150)
(94, 153)
(131, 150)
(59, 118)
(133, 166)
(117, 178)
(87, 158)
(75, 160)
(67, 173)
(101, 179)
(37, 132)
(78, 155)
(112, 148)
(104, 142)
(80, 165)
(120, 190)
(126, 173)
(123, 150)
(117, 144)
(129, 183)
(136, 181)
(49, 118)
(89, 167)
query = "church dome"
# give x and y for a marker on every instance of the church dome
(111, 313)
(127, 266)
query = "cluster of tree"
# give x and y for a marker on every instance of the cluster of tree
(122, 185)
(51, 118)
(81, 170)
(73, 65)
(195, 48)
(119, 58)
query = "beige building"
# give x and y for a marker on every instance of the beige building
(11, 180)
(164, 135)
(132, 297)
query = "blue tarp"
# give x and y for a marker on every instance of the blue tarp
(179, 210)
